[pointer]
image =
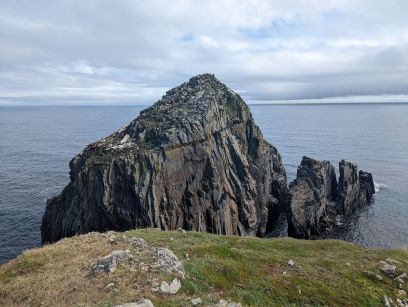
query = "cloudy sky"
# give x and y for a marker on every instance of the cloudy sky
(131, 52)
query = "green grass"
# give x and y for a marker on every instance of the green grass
(251, 271)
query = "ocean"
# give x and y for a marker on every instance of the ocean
(37, 143)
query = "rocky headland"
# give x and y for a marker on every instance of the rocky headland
(196, 160)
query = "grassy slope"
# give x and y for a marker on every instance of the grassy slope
(246, 270)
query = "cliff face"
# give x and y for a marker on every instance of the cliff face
(312, 195)
(356, 188)
(316, 199)
(195, 160)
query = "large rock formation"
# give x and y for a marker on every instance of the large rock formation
(195, 160)
(356, 188)
(316, 198)
(312, 196)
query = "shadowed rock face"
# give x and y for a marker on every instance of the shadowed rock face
(312, 196)
(195, 160)
(316, 198)
(356, 188)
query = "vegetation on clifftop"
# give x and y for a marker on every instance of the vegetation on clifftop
(251, 271)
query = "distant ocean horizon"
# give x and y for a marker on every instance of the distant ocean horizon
(37, 143)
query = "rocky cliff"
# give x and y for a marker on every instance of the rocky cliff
(312, 196)
(316, 199)
(195, 160)
(356, 188)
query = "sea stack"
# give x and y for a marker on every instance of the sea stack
(356, 188)
(195, 160)
(312, 195)
(316, 199)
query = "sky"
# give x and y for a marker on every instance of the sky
(131, 52)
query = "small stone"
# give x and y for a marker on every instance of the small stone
(388, 301)
(348, 263)
(222, 303)
(403, 275)
(388, 269)
(291, 262)
(284, 273)
(181, 230)
(196, 301)
(109, 286)
(139, 243)
(400, 280)
(173, 288)
(110, 262)
(379, 277)
(141, 303)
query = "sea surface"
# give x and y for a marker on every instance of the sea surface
(37, 143)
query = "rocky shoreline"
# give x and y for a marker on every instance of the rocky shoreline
(196, 160)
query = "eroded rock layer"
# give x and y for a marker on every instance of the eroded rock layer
(312, 196)
(316, 200)
(356, 188)
(195, 160)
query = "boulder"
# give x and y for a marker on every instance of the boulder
(168, 262)
(388, 269)
(194, 160)
(312, 197)
(110, 262)
(173, 288)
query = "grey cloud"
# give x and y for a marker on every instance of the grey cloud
(130, 52)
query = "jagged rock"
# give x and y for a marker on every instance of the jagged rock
(142, 303)
(109, 263)
(194, 160)
(167, 261)
(312, 196)
(355, 189)
(139, 243)
(291, 262)
(173, 288)
(388, 269)
(316, 199)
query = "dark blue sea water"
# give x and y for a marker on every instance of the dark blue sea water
(36, 144)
